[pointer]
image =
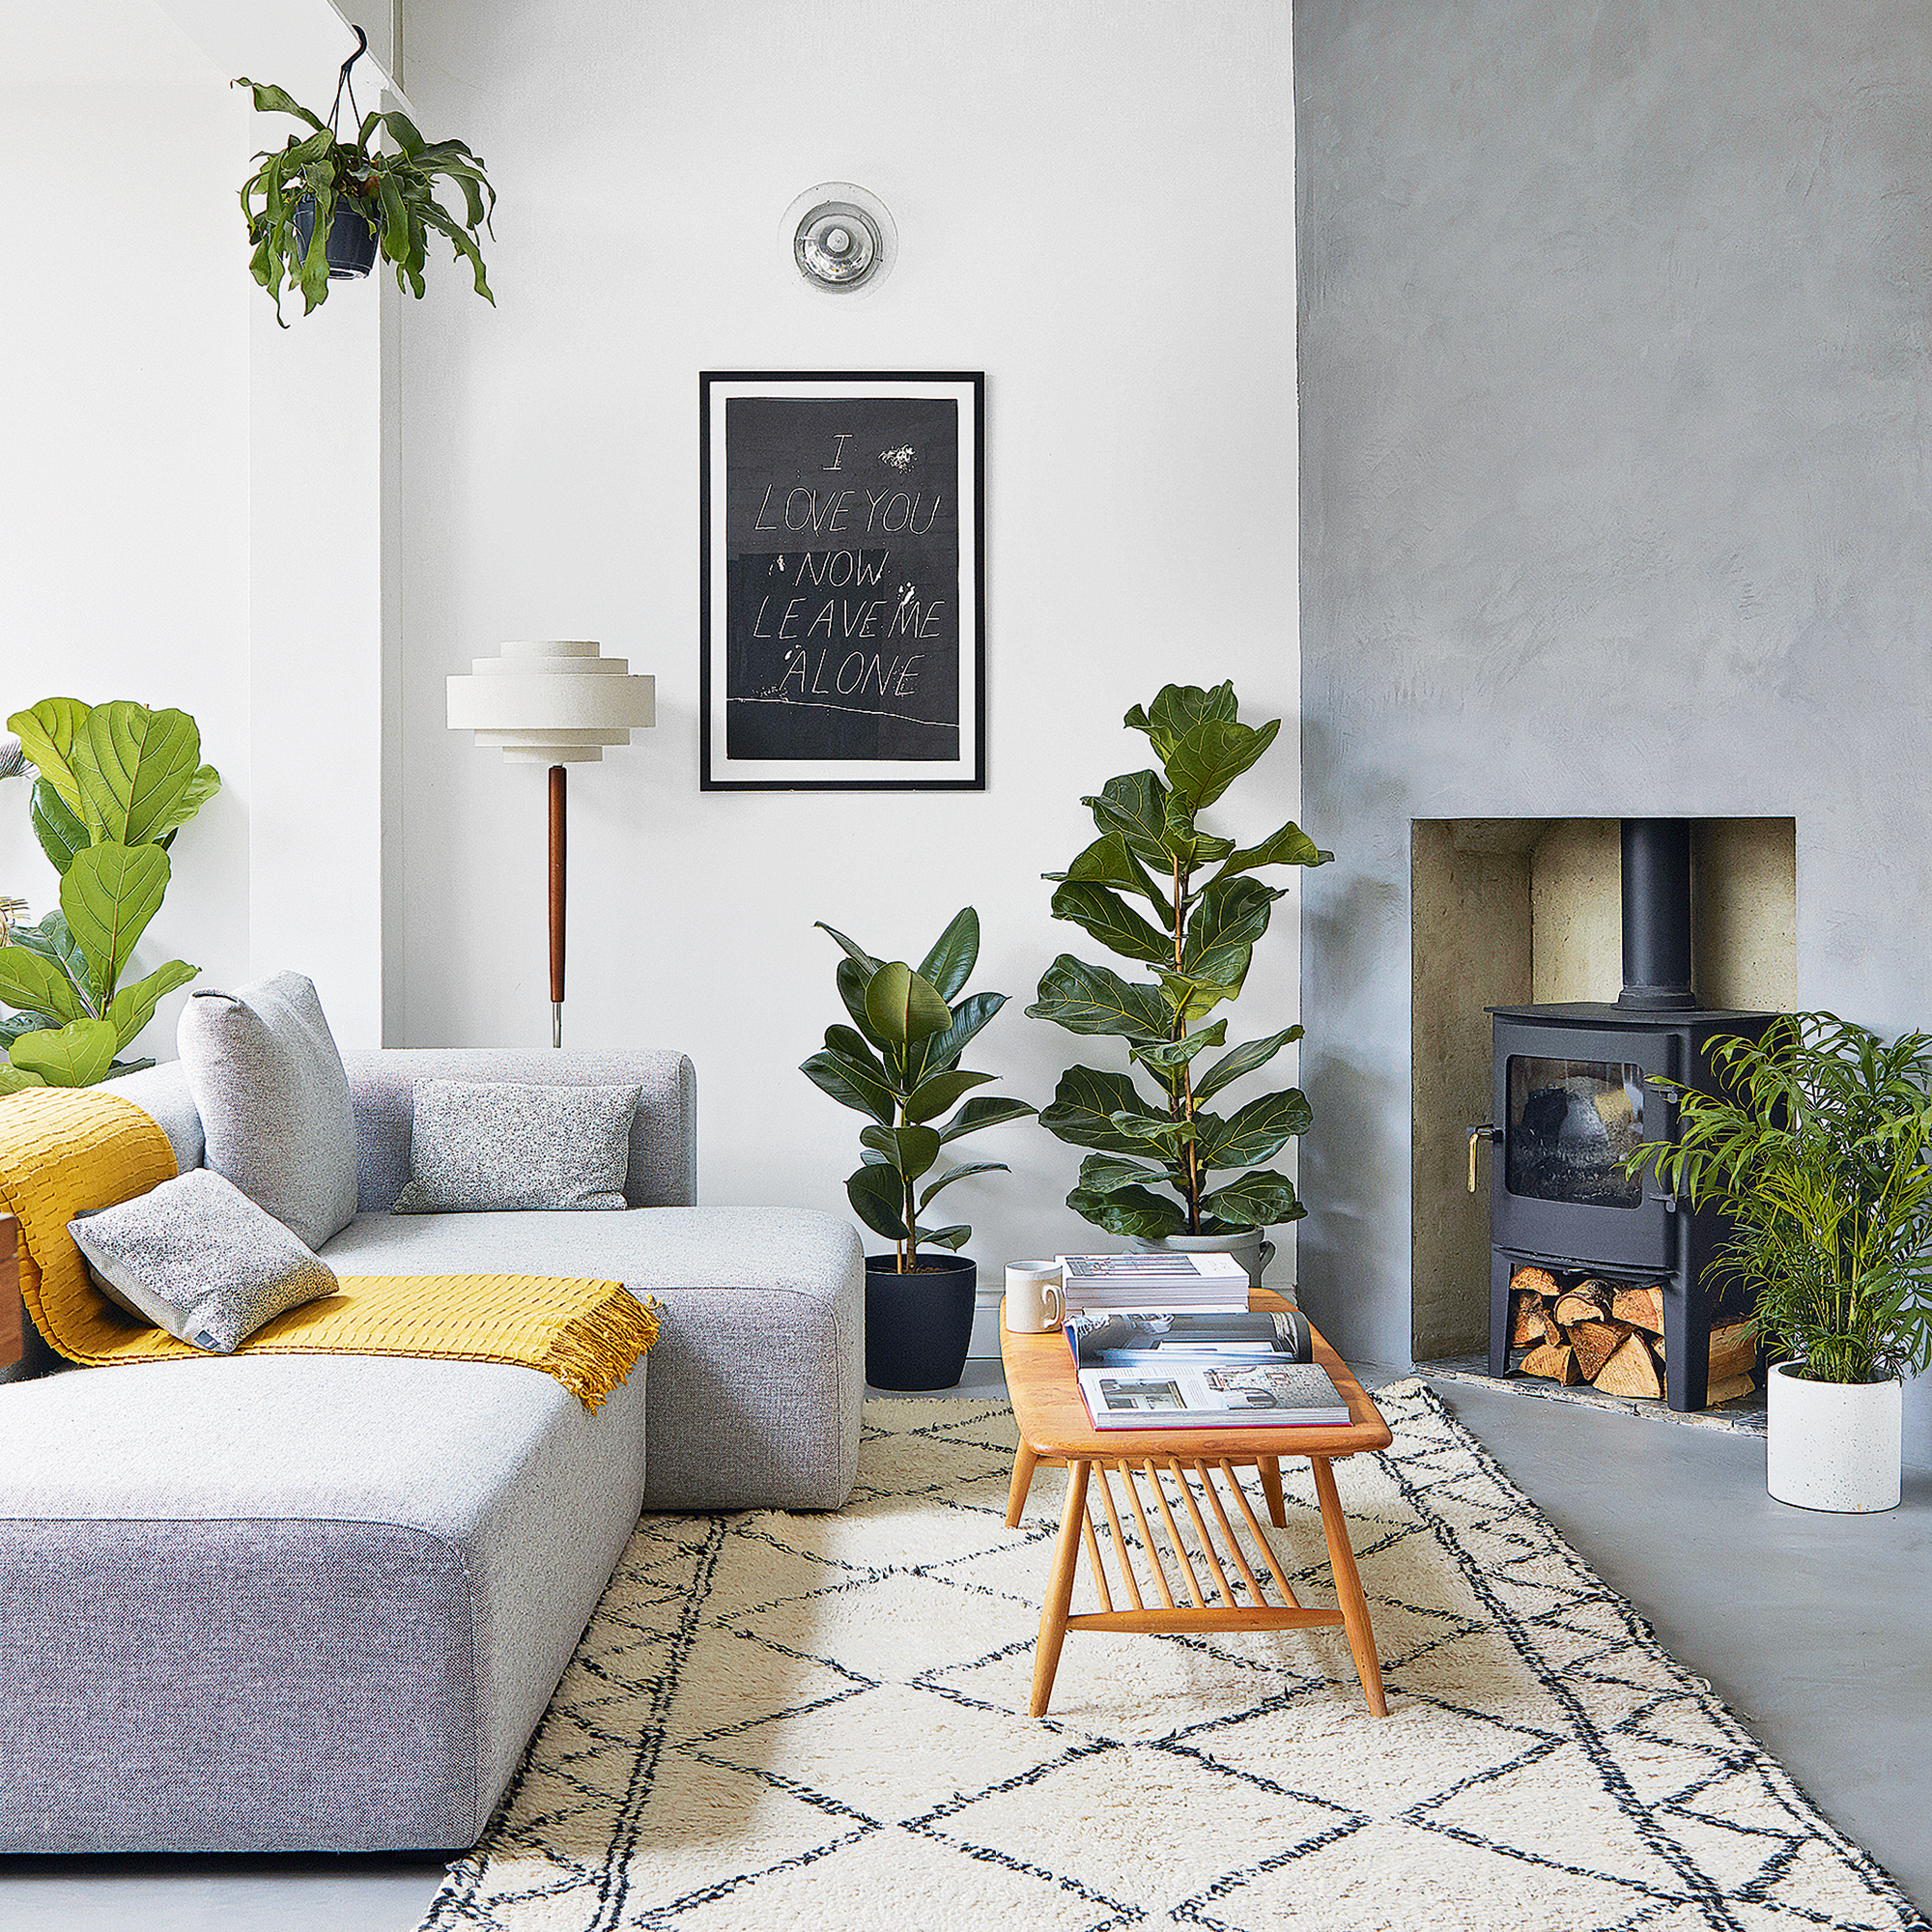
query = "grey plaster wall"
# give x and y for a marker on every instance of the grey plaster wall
(1614, 494)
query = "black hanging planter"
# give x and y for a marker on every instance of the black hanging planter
(349, 245)
(919, 1325)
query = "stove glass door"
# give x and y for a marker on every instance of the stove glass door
(1572, 1124)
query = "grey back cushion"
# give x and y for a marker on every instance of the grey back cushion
(492, 1145)
(196, 1257)
(273, 1100)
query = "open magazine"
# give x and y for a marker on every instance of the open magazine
(1183, 1390)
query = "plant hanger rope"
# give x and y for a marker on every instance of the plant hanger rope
(343, 84)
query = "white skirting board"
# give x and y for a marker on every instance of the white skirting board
(985, 1342)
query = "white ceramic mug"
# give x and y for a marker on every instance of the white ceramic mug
(1035, 1300)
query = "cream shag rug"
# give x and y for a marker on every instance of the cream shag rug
(817, 1721)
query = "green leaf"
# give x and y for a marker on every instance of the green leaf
(943, 1049)
(852, 978)
(1107, 861)
(134, 1007)
(852, 1045)
(1193, 1000)
(1211, 756)
(74, 1055)
(850, 1085)
(1161, 1132)
(271, 100)
(877, 1195)
(17, 1079)
(1254, 1200)
(1112, 921)
(461, 242)
(55, 943)
(135, 769)
(1243, 1059)
(1083, 1106)
(1187, 841)
(1259, 1130)
(953, 1173)
(904, 1006)
(1135, 806)
(932, 1098)
(951, 962)
(1171, 1054)
(1177, 710)
(1092, 1000)
(1132, 1212)
(1107, 1174)
(36, 984)
(955, 1237)
(911, 1149)
(403, 132)
(14, 1025)
(61, 833)
(853, 950)
(1290, 846)
(983, 1112)
(200, 789)
(46, 733)
(110, 895)
(1232, 915)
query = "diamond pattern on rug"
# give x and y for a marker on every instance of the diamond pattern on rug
(820, 1722)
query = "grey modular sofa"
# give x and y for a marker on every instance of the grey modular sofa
(320, 1603)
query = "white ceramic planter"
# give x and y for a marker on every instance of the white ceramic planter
(1834, 1445)
(1247, 1248)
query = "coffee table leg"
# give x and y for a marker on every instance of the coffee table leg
(1348, 1588)
(1059, 1589)
(1270, 1469)
(1023, 1468)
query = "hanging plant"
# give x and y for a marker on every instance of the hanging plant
(321, 207)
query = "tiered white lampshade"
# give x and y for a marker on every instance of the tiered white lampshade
(556, 701)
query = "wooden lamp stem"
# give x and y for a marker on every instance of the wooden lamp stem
(557, 863)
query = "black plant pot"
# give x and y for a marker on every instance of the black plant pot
(349, 245)
(919, 1325)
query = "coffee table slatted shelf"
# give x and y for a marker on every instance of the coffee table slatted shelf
(1160, 1471)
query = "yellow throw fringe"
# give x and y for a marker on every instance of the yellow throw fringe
(63, 1149)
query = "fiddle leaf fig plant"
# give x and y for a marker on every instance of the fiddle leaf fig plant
(898, 1063)
(114, 783)
(289, 201)
(1151, 1172)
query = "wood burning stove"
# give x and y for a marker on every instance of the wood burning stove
(1576, 1093)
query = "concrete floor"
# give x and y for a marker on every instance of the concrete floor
(1815, 1629)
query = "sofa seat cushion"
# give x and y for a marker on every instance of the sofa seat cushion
(758, 1375)
(336, 1592)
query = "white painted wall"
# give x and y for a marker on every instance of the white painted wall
(1094, 207)
(124, 510)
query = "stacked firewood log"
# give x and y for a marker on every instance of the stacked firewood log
(1610, 1335)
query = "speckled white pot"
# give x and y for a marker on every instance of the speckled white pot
(1834, 1445)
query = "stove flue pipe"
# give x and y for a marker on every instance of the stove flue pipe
(1656, 915)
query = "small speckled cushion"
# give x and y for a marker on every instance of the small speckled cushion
(198, 1258)
(490, 1145)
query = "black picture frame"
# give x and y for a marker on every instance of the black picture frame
(768, 718)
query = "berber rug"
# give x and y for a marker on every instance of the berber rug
(810, 1722)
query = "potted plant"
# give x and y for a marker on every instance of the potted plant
(1816, 1145)
(114, 783)
(1151, 1177)
(320, 208)
(898, 1063)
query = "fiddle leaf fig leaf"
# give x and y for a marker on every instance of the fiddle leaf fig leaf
(17, 1079)
(1254, 1200)
(135, 768)
(108, 897)
(1255, 1132)
(74, 1055)
(1169, 1055)
(1106, 1174)
(1112, 921)
(1083, 1106)
(46, 733)
(1232, 915)
(1212, 754)
(1131, 1213)
(1177, 710)
(1290, 846)
(130, 1010)
(1092, 1000)
(1134, 806)
(58, 828)
(200, 789)
(1243, 1059)
(38, 985)
(953, 955)
(1107, 861)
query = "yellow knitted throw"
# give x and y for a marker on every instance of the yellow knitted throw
(66, 1148)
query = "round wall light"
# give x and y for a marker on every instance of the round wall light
(842, 238)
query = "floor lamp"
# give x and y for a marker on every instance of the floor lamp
(556, 704)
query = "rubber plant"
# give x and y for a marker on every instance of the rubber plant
(115, 782)
(1818, 1145)
(1151, 1172)
(898, 1062)
(289, 201)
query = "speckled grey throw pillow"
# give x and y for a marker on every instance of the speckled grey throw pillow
(491, 1146)
(198, 1258)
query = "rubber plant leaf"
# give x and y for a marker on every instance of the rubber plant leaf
(954, 1237)
(74, 1055)
(981, 1113)
(903, 1005)
(932, 1098)
(911, 1149)
(877, 1195)
(943, 1049)
(850, 1085)
(960, 1173)
(46, 733)
(953, 955)
(108, 897)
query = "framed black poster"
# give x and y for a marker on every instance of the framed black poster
(843, 578)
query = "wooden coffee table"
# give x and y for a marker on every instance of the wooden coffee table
(1202, 1465)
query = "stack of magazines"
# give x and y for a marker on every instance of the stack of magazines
(1160, 1368)
(1161, 1280)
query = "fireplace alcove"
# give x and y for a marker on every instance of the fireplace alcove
(1517, 911)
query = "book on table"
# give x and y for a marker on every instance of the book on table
(1160, 1279)
(1158, 1368)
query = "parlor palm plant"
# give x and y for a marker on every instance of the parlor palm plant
(1152, 1174)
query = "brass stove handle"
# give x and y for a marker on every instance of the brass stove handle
(1493, 1133)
